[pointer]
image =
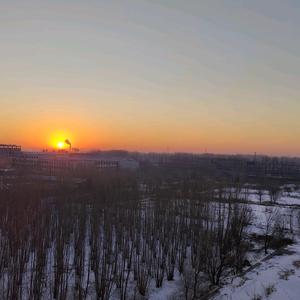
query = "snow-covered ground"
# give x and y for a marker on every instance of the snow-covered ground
(168, 290)
(277, 278)
(287, 195)
(274, 278)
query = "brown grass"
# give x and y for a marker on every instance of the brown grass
(296, 264)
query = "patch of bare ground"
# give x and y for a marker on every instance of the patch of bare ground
(270, 289)
(285, 274)
(296, 264)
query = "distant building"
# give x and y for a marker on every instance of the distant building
(58, 161)
(5, 162)
(51, 162)
(131, 164)
(7, 152)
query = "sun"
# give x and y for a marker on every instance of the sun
(60, 145)
(60, 140)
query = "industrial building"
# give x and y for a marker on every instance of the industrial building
(9, 149)
(52, 162)
(12, 156)
(7, 153)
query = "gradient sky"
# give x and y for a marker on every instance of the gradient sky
(152, 75)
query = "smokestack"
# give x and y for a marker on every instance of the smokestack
(68, 143)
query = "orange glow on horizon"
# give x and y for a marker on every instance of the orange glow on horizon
(57, 140)
(86, 136)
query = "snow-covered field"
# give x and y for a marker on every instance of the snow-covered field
(286, 195)
(169, 289)
(277, 278)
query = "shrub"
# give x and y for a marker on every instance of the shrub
(269, 289)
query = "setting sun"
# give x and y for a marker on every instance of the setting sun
(60, 145)
(60, 139)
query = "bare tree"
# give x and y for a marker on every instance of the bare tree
(270, 216)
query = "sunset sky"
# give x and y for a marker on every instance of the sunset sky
(220, 76)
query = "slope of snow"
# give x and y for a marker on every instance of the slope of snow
(277, 278)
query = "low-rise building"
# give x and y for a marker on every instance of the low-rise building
(53, 162)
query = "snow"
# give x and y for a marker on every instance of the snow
(288, 195)
(290, 198)
(269, 273)
(168, 290)
(276, 278)
(278, 274)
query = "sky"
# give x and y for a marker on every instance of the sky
(168, 75)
